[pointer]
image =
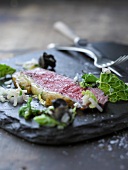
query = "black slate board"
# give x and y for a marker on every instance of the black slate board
(89, 125)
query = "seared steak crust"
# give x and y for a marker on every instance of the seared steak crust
(50, 85)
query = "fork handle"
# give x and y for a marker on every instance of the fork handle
(65, 30)
(77, 49)
(89, 53)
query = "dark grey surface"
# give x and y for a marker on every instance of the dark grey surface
(110, 152)
(89, 125)
(100, 153)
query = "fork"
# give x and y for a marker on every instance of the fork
(99, 61)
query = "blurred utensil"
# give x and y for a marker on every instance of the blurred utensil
(65, 30)
(69, 33)
(99, 62)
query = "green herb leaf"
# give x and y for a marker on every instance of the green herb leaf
(41, 117)
(88, 80)
(45, 120)
(6, 70)
(27, 111)
(112, 86)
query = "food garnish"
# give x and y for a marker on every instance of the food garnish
(31, 64)
(14, 96)
(47, 60)
(6, 70)
(90, 99)
(60, 95)
(88, 80)
(110, 84)
(50, 115)
(27, 111)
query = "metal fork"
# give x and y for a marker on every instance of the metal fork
(99, 61)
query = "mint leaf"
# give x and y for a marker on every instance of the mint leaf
(112, 86)
(6, 70)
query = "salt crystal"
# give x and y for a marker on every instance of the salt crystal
(122, 167)
(114, 141)
(101, 145)
(122, 157)
(109, 148)
(101, 140)
(65, 153)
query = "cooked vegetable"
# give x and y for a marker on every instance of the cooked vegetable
(47, 116)
(110, 84)
(6, 70)
(46, 120)
(43, 117)
(59, 103)
(28, 65)
(88, 80)
(90, 99)
(61, 111)
(47, 60)
(86, 98)
(27, 111)
(15, 96)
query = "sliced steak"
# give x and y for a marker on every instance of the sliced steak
(52, 86)
(102, 99)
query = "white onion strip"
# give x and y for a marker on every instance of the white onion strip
(95, 104)
(13, 95)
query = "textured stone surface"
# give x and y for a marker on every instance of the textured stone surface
(89, 125)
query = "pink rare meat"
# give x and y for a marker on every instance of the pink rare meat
(54, 82)
(52, 86)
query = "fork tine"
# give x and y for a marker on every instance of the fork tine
(121, 59)
(125, 58)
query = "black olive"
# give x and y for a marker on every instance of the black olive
(47, 60)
